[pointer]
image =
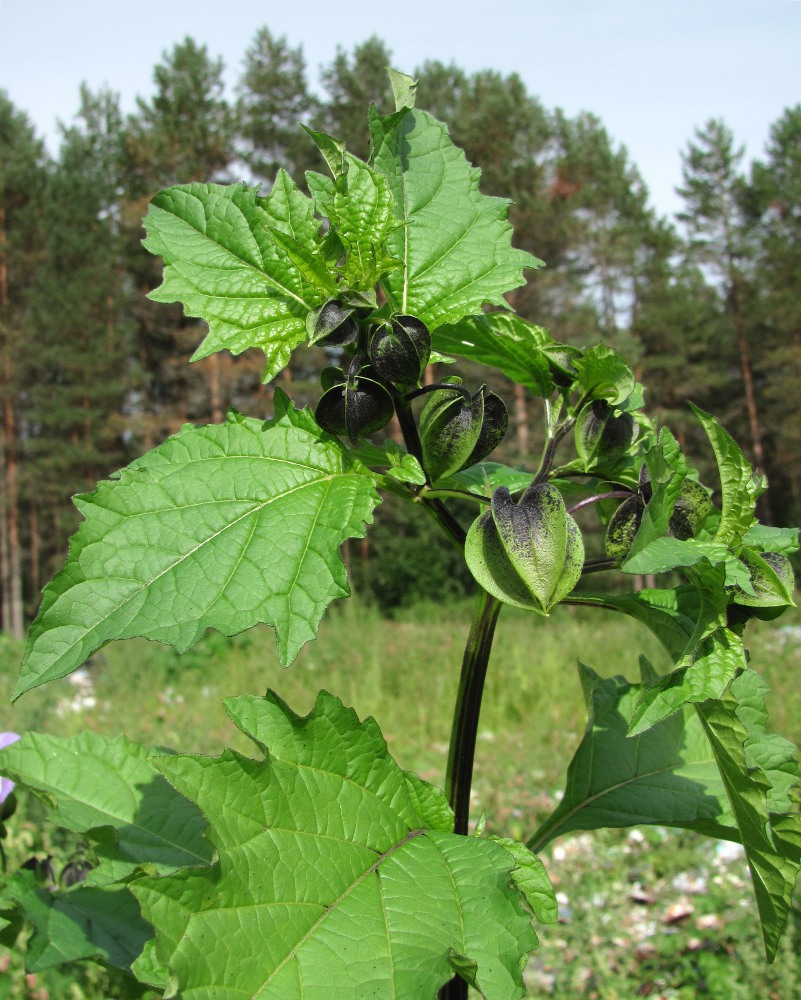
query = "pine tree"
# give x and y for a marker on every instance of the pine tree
(273, 100)
(713, 190)
(611, 227)
(678, 324)
(82, 367)
(353, 83)
(184, 132)
(775, 212)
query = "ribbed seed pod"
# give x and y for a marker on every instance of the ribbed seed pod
(399, 351)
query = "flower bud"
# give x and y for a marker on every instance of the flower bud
(332, 325)
(399, 352)
(529, 554)
(356, 404)
(458, 430)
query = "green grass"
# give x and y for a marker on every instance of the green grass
(404, 672)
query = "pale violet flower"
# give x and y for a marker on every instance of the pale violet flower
(6, 784)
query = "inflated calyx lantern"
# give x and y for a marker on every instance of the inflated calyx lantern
(332, 325)
(355, 403)
(529, 554)
(400, 349)
(457, 429)
(689, 513)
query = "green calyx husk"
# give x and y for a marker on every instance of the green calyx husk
(529, 554)
(457, 429)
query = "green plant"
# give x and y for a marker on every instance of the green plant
(322, 868)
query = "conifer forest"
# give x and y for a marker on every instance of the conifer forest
(707, 304)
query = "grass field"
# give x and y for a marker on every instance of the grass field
(645, 913)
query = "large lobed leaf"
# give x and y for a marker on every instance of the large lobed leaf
(251, 267)
(220, 527)
(715, 769)
(666, 775)
(109, 787)
(759, 770)
(107, 791)
(336, 876)
(86, 922)
(454, 245)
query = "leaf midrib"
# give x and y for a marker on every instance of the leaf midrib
(550, 831)
(332, 907)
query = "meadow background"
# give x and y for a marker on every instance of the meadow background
(647, 912)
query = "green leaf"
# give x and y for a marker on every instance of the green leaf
(333, 151)
(220, 527)
(605, 374)
(766, 538)
(531, 878)
(148, 969)
(360, 208)
(85, 922)
(667, 469)
(251, 267)
(719, 658)
(666, 775)
(670, 613)
(404, 89)
(716, 770)
(328, 882)
(455, 243)
(109, 787)
(740, 485)
(665, 553)
(403, 466)
(484, 477)
(757, 780)
(504, 341)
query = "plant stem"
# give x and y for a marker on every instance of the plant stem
(464, 730)
(411, 438)
(554, 438)
(426, 493)
(408, 426)
(610, 495)
(468, 706)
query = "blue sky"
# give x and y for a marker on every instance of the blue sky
(652, 70)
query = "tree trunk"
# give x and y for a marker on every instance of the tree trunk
(214, 388)
(33, 521)
(11, 561)
(521, 420)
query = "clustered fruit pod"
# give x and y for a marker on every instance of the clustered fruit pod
(332, 325)
(355, 403)
(399, 350)
(601, 437)
(689, 512)
(457, 429)
(529, 554)
(561, 358)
